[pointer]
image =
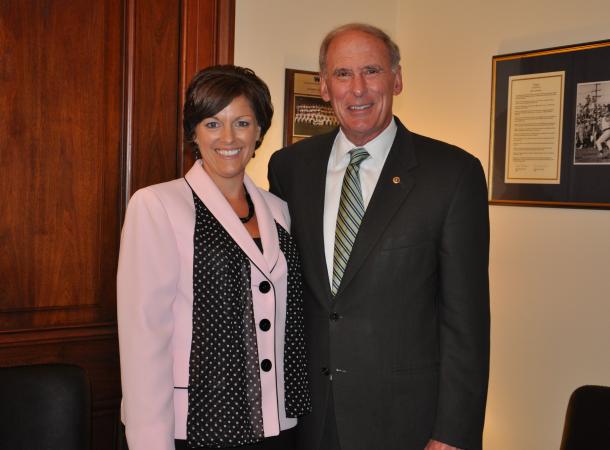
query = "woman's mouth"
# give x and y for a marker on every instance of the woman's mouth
(228, 152)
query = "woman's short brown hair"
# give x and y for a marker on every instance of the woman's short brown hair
(213, 88)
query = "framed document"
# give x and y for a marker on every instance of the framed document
(550, 127)
(305, 113)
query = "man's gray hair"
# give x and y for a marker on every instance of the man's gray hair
(393, 50)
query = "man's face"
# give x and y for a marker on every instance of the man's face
(360, 84)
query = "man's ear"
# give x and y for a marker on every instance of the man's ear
(397, 81)
(324, 89)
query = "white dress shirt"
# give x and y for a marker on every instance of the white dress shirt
(370, 169)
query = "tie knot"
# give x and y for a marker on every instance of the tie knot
(357, 155)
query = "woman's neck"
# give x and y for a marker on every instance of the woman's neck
(234, 192)
(231, 188)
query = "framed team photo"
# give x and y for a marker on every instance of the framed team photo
(305, 112)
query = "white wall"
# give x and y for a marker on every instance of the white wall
(549, 268)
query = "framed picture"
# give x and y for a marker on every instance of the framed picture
(550, 127)
(305, 113)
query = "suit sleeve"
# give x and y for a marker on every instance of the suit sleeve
(464, 313)
(146, 285)
(272, 176)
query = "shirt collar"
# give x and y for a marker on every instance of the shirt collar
(378, 148)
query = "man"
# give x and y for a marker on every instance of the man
(394, 241)
(604, 125)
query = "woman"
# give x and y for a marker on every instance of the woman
(209, 289)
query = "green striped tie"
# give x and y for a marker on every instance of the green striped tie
(351, 210)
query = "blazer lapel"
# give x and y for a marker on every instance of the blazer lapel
(394, 184)
(218, 205)
(266, 224)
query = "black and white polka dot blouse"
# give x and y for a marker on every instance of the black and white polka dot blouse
(225, 397)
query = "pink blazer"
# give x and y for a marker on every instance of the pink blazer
(155, 300)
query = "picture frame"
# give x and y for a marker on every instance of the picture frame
(305, 112)
(550, 127)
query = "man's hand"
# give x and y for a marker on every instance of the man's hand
(436, 445)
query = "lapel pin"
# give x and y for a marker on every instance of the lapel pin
(396, 180)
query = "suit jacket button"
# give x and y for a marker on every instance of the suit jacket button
(266, 365)
(334, 317)
(264, 287)
(325, 371)
(264, 325)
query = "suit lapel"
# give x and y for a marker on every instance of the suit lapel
(312, 245)
(394, 184)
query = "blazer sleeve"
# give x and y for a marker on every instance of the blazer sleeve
(464, 313)
(146, 286)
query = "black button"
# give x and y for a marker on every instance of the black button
(266, 365)
(264, 287)
(334, 317)
(325, 371)
(264, 325)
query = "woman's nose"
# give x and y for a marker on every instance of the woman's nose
(227, 134)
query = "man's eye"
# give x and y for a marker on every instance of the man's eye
(342, 73)
(371, 70)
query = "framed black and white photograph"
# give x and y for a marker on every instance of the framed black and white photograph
(305, 112)
(550, 127)
(592, 139)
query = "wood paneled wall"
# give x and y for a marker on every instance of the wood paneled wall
(91, 105)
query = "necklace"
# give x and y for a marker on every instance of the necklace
(250, 208)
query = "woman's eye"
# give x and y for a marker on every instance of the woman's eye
(212, 125)
(243, 123)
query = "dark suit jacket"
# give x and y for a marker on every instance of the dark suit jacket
(406, 339)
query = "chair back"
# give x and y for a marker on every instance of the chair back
(587, 424)
(45, 407)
